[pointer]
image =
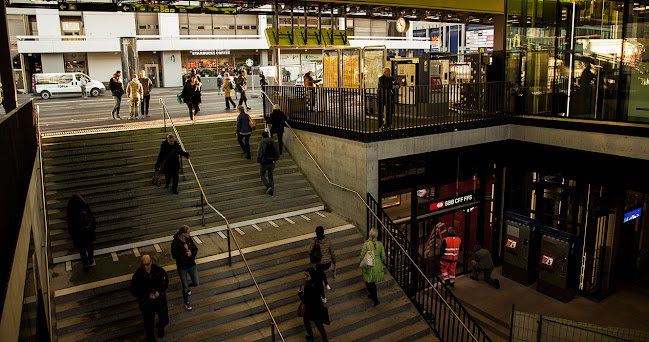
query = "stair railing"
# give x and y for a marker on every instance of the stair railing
(230, 231)
(440, 297)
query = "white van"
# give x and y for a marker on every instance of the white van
(68, 83)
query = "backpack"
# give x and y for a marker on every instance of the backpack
(270, 153)
(239, 83)
(316, 254)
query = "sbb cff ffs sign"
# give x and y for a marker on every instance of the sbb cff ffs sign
(451, 202)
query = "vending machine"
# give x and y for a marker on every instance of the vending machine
(522, 241)
(558, 264)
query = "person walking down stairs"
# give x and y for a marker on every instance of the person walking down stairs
(267, 156)
(374, 274)
(244, 131)
(81, 227)
(314, 309)
(168, 161)
(184, 250)
(328, 255)
(149, 285)
(191, 95)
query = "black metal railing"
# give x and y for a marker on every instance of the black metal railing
(370, 114)
(437, 304)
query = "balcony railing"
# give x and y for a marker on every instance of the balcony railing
(370, 114)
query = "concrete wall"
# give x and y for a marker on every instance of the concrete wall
(344, 162)
(109, 24)
(171, 69)
(168, 24)
(48, 23)
(52, 62)
(102, 66)
(613, 144)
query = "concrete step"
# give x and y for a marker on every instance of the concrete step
(165, 224)
(225, 288)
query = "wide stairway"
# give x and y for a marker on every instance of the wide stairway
(227, 307)
(113, 170)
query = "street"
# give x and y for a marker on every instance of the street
(61, 114)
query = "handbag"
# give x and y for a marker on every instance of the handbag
(368, 260)
(252, 123)
(316, 254)
(179, 98)
(157, 175)
(301, 309)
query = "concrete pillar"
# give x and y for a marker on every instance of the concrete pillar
(52, 62)
(128, 52)
(263, 57)
(171, 69)
(499, 32)
(9, 96)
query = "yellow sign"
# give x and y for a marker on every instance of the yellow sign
(309, 38)
(478, 6)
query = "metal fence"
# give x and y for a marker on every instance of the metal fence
(370, 114)
(437, 304)
(526, 327)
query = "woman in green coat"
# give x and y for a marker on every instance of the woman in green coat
(375, 274)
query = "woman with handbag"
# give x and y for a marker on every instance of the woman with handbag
(244, 130)
(312, 308)
(375, 273)
(228, 91)
(191, 95)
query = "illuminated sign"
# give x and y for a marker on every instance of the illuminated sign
(632, 215)
(547, 261)
(210, 52)
(451, 202)
(177, 9)
(512, 245)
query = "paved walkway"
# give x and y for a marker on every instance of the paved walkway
(626, 308)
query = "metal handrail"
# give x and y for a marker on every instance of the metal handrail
(382, 224)
(230, 232)
(46, 234)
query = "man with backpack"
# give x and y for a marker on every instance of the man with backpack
(267, 155)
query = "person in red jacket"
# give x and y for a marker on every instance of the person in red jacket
(450, 252)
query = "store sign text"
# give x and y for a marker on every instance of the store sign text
(451, 202)
(210, 52)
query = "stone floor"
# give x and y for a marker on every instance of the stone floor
(626, 308)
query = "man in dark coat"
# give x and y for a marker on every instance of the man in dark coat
(387, 85)
(184, 250)
(483, 263)
(117, 89)
(267, 155)
(277, 120)
(81, 227)
(168, 161)
(149, 284)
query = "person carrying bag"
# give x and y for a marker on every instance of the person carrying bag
(372, 274)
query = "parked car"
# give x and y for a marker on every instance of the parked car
(68, 83)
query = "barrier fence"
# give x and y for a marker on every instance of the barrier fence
(371, 114)
(435, 302)
(527, 327)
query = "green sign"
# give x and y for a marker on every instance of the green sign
(308, 38)
(177, 9)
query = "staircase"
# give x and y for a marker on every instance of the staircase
(113, 170)
(227, 306)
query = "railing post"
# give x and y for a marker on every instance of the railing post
(203, 209)
(229, 249)
(538, 333)
(272, 331)
(164, 118)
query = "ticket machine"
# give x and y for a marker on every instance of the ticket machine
(558, 264)
(522, 242)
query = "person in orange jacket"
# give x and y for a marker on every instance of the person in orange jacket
(450, 252)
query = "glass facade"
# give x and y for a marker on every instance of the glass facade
(583, 59)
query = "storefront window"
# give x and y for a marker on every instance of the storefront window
(75, 62)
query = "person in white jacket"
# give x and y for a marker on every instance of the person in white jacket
(134, 94)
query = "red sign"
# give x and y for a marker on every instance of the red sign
(435, 206)
(547, 261)
(512, 245)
